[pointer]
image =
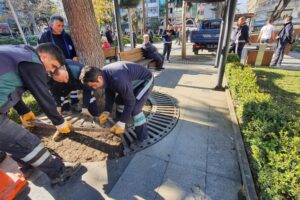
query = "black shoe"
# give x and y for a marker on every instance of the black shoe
(68, 172)
(2, 156)
(159, 69)
(27, 171)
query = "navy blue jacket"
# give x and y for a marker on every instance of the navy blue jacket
(286, 33)
(168, 38)
(240, 34)
(61, 89)
(67, 46)
(121, 77)
(149, 50)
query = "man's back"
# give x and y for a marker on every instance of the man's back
(267, 31)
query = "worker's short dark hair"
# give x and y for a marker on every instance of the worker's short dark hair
(56, 17)
(53, 50)
(90, 74)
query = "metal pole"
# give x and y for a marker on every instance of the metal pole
(230, 19)
(183, 47)
(118, 24)
(221, 36)
(144, 17)
(17, 21)
(130, 27)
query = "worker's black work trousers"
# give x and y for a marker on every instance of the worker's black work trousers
(167, 50)
(26, 149)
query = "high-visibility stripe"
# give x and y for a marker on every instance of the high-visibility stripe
(73, 96)
(62, 98)
(92, 99)
(42, 159)
(139, 119)
(120, 108)
(145, 89)
(64, 102)
(33, 153)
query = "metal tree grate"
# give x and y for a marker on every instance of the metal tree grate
(162, 116)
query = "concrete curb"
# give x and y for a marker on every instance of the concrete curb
(248, 183)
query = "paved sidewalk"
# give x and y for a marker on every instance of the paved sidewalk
(197, 160)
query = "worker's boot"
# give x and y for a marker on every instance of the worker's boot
(2, 156)
(67, 173)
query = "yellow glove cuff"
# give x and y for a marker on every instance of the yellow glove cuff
(103, 117)
(64, 128)
(26, 118)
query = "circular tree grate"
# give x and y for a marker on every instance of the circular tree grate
(91, 142)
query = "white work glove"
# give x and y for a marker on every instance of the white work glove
(85, 112)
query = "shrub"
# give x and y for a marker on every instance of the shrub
(271, 134)
(30, 102)
(232, 58)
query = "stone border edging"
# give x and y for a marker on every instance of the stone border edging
(248, 183)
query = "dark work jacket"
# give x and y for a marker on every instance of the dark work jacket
(286, 33)
(121, 78)
(168, 38)
(149, 50)
(59, 90)
(240, 34)
(67, 47)
(21, 70)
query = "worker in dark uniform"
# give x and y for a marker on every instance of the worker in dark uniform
(133, 83)
(66, 80)
(150, 51)
(21, 69)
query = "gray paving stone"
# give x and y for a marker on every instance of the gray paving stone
(221, 139)
(220, 188)
(182, 183)
(191, 146)
(139, 181)
(223, 162)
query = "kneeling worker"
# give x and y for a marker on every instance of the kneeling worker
(65, 81)
(21, 69)
(132, 82)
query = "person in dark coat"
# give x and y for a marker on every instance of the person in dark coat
(128, 85)
(285, 36)
(168, 35)
(108, 35)
(56, 35)
(240, 37)
(150, 51)
(22, 68)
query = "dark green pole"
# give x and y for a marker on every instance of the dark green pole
(118, 24)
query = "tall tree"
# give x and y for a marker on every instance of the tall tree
(103, 11)
(84, 31)
(279, 8)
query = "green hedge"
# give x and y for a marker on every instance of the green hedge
(32, 40)
(126, 39)
(296, 46)
(30, 102)
(271, 134)
(231, 58)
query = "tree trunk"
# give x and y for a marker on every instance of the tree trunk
(144, 17)
(84, 31)
(86, 36)
(166, 14)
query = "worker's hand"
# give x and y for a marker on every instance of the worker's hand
(76, 59)
(85, 112)
(64, 128)
(118, 128)
(58, 109)
(277, 37)
(26, 118)
(103, 117)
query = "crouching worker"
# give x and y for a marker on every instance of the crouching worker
(150, 51)
(132, 83)
(21, 69)
(65, 81)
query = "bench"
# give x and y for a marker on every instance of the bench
(111, 53)
(136, 55)
(252, 55)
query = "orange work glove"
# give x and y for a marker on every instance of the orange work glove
(26, 118)
(118, 128)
